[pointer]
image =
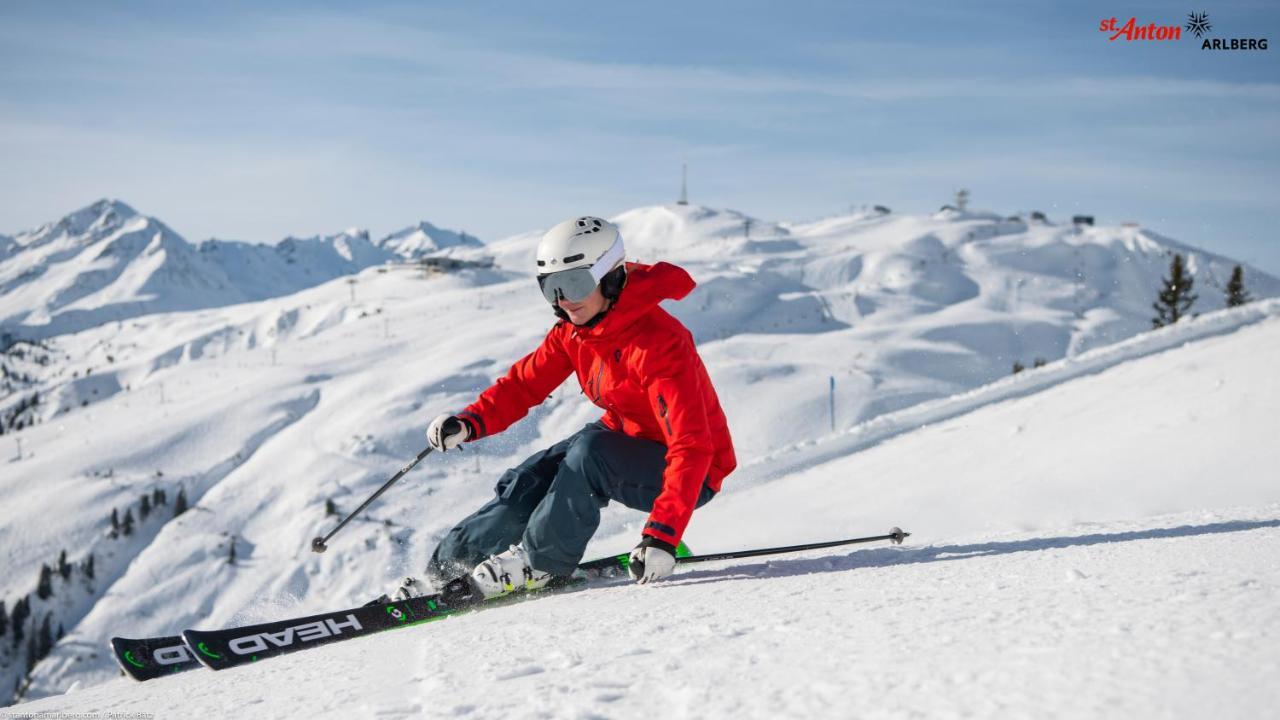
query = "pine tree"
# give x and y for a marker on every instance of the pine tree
(1018, 367)
(44, 640)
(145, 509)
(180, 505)
(126, 527)
(44, 586)
(329, 507)
(61, 633)
(231, 556)
(31, 654)
(1039, 362)
(18, 619)
(64, 567)
(1175, 297)
(1236, 294)
(158, 498)
(115, 523)
(4, 619)
(88, 567)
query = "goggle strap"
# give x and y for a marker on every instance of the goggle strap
(607, 260)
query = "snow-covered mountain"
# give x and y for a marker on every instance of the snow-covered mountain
(261, 411)
(294, 264)
(101, 263)
(106, 262)
(424, 239)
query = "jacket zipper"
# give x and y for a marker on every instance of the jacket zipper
(596, 382)
(662, 412)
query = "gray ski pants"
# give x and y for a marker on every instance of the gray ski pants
(551, 502)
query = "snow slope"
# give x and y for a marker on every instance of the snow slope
(1107, 546)
(894, 309)
(263, 411)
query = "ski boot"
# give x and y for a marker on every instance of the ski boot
(508, 572)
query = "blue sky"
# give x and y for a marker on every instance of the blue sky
(258, 120)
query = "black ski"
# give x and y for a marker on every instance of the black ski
(221, 649)
(150, 658)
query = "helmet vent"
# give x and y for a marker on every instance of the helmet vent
(574, 258)
(541, 263)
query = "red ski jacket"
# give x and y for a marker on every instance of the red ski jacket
(640, 365)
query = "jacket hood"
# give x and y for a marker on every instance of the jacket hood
(647, 285)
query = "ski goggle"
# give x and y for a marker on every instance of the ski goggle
(576, 284)
(572, 285)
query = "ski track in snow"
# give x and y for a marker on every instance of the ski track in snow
(1174, 616)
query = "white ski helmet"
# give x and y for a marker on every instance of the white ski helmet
(576, 255)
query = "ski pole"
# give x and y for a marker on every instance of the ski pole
(896, 535)
(318, 543)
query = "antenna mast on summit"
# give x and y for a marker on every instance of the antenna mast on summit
(684, 184)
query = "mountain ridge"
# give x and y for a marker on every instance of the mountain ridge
(106, 262)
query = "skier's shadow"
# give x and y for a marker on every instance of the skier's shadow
(882, 557)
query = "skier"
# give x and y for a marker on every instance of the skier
(662, 446)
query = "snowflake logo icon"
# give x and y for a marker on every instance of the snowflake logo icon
(1198, 23)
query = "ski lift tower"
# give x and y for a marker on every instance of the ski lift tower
(962, 199)
(684, 184)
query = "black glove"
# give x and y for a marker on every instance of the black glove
(652, 559)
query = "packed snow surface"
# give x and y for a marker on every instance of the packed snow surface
(260, 408)
(1173, 616)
